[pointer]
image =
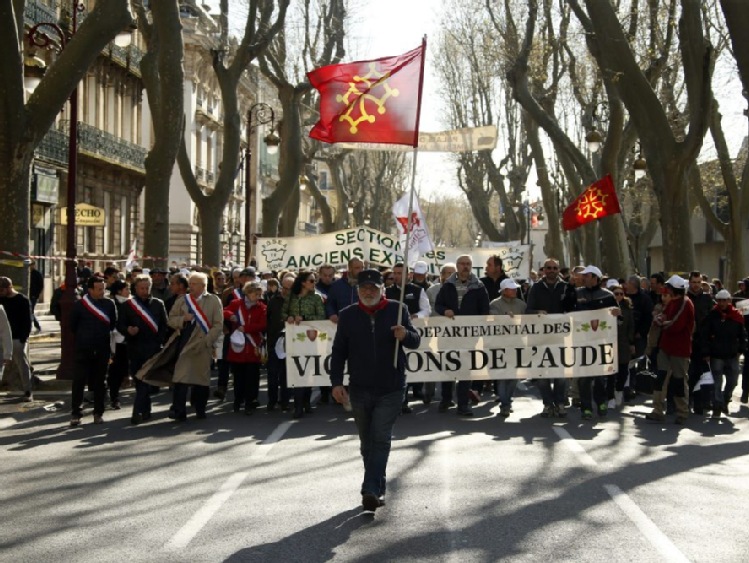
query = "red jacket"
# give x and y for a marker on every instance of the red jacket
(255, 322)
(678, 325)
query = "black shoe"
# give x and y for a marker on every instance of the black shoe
(249, 412)
(443, 407)
(745, 397)
(370, 502)
(270, 407)
(116, 405)
(405, 409)
(285, 407)
(298, 413)
(136, 419)
(237, 407)
(203, 416)
(324, 399)
(145, 417)
(308, 409)
(220, 393)
(465, 411)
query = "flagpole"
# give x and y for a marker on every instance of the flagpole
(404, 277)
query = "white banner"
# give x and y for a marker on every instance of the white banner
(376, 249)
(476, 347)
(468, 139)
(742, 306)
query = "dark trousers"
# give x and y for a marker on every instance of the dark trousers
(118, 371)
(198, 399)
(90, 368)
(557, 396)
(278, 390)
(34, 301)
(701, 399)
(588, 395)
(246, 383)
(302, 397)
(142, 402)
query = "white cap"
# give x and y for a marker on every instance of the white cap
(677, 282)
(508, 283)
(592, 270)
(612, 283)
(723, 294)
(237, 341)
(420, 267)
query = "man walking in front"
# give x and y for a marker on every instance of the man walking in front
(92, 321)
(366, 338)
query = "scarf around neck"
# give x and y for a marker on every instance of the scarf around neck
(731, 313)
(379, 306)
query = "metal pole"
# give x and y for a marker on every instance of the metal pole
(67, 351)
(248, 192)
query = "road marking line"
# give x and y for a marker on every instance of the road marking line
(7, 422)
(204, 514)
(647, 527)
(575, 447)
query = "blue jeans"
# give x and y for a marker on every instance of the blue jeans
(375, 416)
(728, 367)
(506, 391)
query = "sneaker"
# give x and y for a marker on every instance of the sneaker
(561, 411)
(370, 502)
(603, 410)
(655, 416)
(548, 411)
(75, 421)
(504, 411)
(465, 411)
(587, 414)
(28, 397)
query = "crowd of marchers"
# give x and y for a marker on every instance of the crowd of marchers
(679, 339)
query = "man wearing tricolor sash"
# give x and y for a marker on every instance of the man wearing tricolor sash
(143, 323)
(92, 321)
(198, 316)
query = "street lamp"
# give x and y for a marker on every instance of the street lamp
(38, 38)
(599, 116)
(640, 165)
(350, 209)
(262, 114)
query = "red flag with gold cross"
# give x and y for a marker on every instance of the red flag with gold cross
(376, 101)
(597, 201)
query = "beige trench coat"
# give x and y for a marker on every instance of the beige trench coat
(194, 363)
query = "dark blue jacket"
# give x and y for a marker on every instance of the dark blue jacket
(340, 296)
(89, 330)
(367, 343)
(554, 299)
(475, 301)
(145, 343)
(721, 337)
(594, 298)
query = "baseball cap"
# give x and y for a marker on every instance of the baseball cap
(612, 283)
(420, 267)
(508, 283)
(723, 294)
(249, 271)
(373, 277)
(677, 282)
(592, 270)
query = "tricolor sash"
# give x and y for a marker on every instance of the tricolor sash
(95, 311)
(238, 293)
(144, 314)
(197, 312)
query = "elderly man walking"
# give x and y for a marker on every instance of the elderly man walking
(367, 335)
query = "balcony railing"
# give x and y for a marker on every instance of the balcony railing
(53, 148)
(35, 12)
(100, 144)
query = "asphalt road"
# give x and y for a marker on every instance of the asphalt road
(266, 488)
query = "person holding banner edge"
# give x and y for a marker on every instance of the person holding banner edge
(366, 339)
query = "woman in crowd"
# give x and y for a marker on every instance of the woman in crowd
(625, 346)
(303, 304)
(248, 322)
